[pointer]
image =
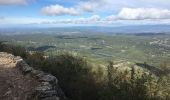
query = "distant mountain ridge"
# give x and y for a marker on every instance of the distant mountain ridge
(89, 29)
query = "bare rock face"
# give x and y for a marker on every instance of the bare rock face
(48, 78)
(48, 88)
(37, 73)
(24, 67)
(13, 84)
(44, 86)
(47, 85)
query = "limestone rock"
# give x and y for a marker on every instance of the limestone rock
(17, 59)
(48, 78)
(44, 86)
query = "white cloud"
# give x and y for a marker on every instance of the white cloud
(92, 5)
(114, 5)
(111, 18)
(89, 20)
(22, 20)
(105, 6)
(55, 10)
(92, 20)
(143, 13)
(86, 7)
(10, 2)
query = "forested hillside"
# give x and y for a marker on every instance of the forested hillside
(82, 80)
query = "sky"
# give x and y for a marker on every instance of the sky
(84, 12)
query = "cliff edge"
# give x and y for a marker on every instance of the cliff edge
(19, 81)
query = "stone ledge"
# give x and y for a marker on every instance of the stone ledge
(48, 88)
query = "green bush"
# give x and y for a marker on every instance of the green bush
(143, 87)
(16, 50)
(74, 76)
(35, 59)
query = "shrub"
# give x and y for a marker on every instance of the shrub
(74, 76)
(16, 50)
(35, 59)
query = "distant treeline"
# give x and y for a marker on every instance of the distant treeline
(150, 34)
(69, 37)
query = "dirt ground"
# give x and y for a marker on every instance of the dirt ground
(13, 84)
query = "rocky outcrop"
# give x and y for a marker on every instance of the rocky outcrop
(48, 88)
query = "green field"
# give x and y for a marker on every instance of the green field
(100, 48)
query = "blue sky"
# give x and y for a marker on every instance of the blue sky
(84, 12)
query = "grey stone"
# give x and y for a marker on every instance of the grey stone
(26, 69)
(37, 74)
(51, 98)
(17, 59)
(21, 63)
(45, 94)
(44, 86)
(48, 78)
